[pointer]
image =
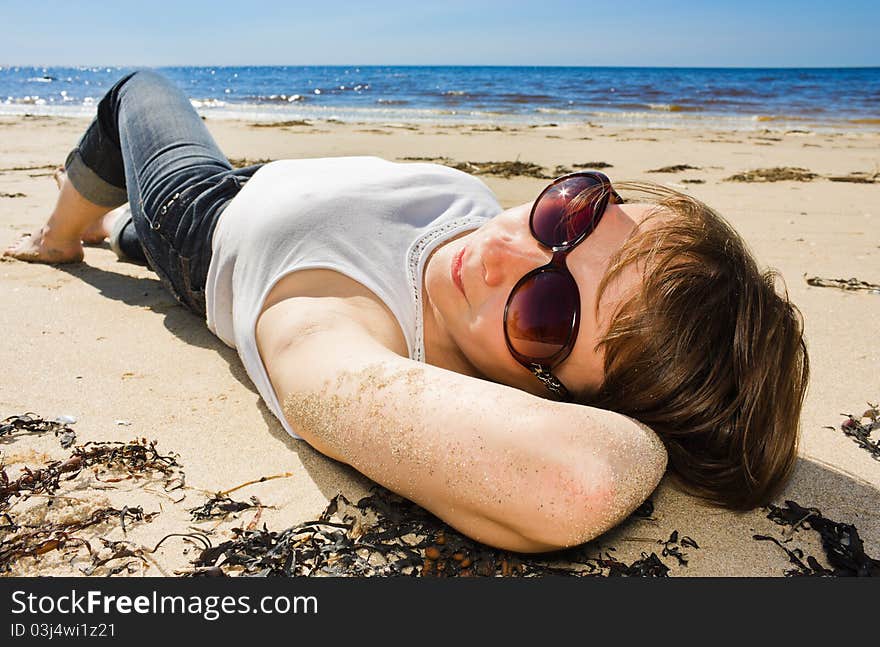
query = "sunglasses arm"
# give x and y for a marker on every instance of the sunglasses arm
(549, 380)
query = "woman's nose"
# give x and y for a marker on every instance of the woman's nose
(507, 258)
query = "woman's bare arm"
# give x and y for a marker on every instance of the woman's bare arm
(502, 466)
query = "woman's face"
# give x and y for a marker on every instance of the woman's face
(495, 257)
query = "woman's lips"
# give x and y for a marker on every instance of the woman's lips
(456, 270)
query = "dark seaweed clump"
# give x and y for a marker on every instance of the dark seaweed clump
(860, 428)
(387, 535)
(775, 174)
(673, 545)
(31, 423)
(502, 169)
(841, 542)
(851, 284)
(856, 177)
(32, 542)
(220, 506)
(593, 165)
(110, 462)
(242, 162)
(674, 168)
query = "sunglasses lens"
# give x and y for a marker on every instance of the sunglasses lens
(541, 314)
(568, 209)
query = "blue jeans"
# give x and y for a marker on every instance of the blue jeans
(149, 147)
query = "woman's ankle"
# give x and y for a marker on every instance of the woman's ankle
(73, 214)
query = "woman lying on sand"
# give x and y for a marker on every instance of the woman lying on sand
(525, 374)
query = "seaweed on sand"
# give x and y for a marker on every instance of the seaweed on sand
(138, 458)
(856, 177)
(674, 544)
(841, 542)
(381, 535)
(220, 506)
(241, 162)
(593, 165)
(281, 124)
(502, 169)
(28, 168)
(775, 174)
(860, 428)
(31, 542)
(850, 285)
(675, 168)
(647, 566)
(31, 423)
(386, 535)
(135, 459)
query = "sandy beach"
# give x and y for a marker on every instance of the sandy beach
(104, 343)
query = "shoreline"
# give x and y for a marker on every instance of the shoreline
(659, 119)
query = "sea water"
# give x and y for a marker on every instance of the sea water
(741, 98)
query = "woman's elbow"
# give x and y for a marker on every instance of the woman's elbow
(583, 504)
(571, 507)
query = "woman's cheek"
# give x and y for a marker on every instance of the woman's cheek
(488, 336)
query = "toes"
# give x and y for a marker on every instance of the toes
(13, 246)
(60, 174)
(33, 250)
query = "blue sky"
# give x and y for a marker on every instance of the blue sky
(785, 33)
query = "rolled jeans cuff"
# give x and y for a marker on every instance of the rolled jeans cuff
(90, 185)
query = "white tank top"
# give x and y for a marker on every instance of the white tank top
(372, 220)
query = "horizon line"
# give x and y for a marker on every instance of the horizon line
(644, 67)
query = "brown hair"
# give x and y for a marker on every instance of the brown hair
(707, 353)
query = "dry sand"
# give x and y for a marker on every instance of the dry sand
(103, 342)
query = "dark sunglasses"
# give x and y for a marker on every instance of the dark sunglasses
(543, 310)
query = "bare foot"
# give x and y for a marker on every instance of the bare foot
(40, 247)
(60, 239)
(96, 233)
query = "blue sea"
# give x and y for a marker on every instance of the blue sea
(656, 97)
